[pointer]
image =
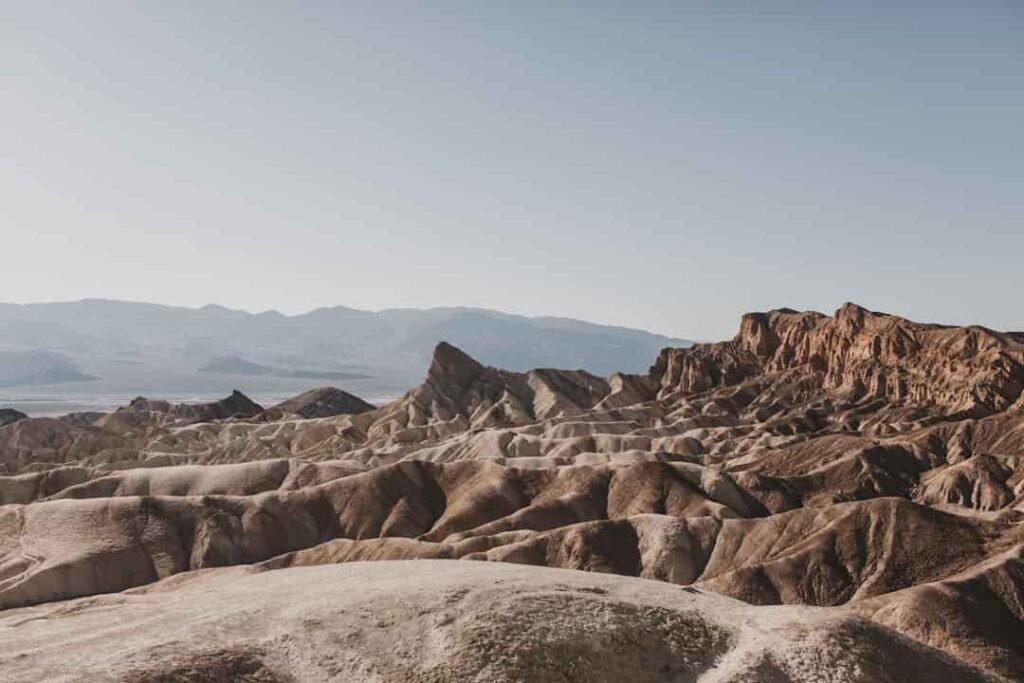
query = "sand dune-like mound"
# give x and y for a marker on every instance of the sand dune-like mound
(439, 621)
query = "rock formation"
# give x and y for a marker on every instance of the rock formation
(856, 354)
(235, 405)
(322, 402)
(9, 415)
(860, 463)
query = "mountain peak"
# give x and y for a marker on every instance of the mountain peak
(854, 315)
(453, 365)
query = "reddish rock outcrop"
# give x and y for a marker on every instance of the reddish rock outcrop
(858, 354)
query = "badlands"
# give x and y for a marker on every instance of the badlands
(821, 498)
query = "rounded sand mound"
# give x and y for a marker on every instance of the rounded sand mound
(446, 621)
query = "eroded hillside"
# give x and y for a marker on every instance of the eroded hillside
(860, 462)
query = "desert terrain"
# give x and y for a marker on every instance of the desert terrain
(821, 498)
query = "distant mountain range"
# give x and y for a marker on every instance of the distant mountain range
(93, 338)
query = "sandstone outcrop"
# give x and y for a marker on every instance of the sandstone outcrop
(956, 371)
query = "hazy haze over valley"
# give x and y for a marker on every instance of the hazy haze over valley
(97, 354)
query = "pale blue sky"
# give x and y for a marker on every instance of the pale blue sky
(661, 165)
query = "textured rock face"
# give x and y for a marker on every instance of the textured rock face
(440, 621)
(237, 405)
(322, 402)
(858, 353)
(460, 393)
(861, 463)
(10, 416)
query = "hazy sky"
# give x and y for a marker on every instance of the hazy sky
(661, 165)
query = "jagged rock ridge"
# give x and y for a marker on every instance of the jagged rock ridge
(859, 354)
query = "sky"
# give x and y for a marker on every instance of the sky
(663, 165)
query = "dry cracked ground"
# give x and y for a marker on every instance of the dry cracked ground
(821, 498)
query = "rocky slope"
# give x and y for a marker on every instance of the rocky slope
(858, 355)
(321, 402)
(437, 621)
(10, 416)
(861, 463)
